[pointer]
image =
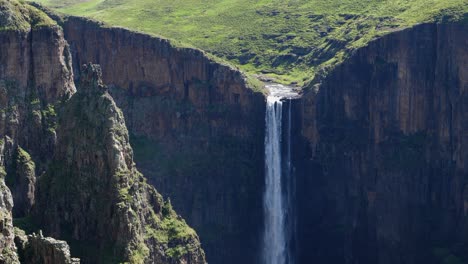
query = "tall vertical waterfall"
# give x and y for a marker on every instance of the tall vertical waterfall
(275, 235)
(277, 197)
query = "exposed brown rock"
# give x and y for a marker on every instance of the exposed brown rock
(35, 75)
(94, 194)
(197, 130)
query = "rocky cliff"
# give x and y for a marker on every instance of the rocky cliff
(93, 195)
(379, 147)
(196, 127)
(35, 76)
(112, 214)
(35, 248)
(8, 252)
(15, 246)
(383, 178)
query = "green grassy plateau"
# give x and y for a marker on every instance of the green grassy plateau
(290, 40)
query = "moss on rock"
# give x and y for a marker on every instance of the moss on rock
(93, 180)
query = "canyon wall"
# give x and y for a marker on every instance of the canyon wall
(196, 127)
(379, 147)
(35, 76)
(383, 160)
(93, 196)
(66, 158)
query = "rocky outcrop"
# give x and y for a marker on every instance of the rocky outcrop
(15, 246)
(196, 127)
(32, 82)
(111, 215)
(383, 176)
(93, 194)
(35, 76)
(7, 246)
(36, 248)
(21, 179)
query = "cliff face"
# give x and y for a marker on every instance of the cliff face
(35, 75)
(110, 214)
(196, 129)
(93, 195)
(383, 176)
(36, 248)
(21, 178)
(380, 150)
(7, 246)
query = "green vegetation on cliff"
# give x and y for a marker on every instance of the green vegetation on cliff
(290, 40)
(22, 162)
(16, 15)
(111, 210)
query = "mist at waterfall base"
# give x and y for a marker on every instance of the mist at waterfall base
(278, 235)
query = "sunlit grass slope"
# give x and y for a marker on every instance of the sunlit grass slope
(290, 40)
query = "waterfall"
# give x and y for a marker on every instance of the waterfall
(274, 240)
(278, 200)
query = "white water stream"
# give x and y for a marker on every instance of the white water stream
(276, 238)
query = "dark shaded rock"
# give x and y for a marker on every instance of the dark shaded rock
(196, 128)
(8, 253)
(21, 179)
(35, 75)
(37, 249)
(93, 195)
(383, 173)
(7, 246)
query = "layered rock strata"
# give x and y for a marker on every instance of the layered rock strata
(93, 195)
(196, 126)
(383, 176)
(35, 76)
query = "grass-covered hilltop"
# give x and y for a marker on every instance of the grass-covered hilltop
(290, 40)
(16, 16)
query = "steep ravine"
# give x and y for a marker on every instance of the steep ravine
(124, 220)
(35, 76)
(196, 127)
(362, 180)
(383, 176)
(93, 195)
(379, 149)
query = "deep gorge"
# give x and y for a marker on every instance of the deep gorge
(378, 148)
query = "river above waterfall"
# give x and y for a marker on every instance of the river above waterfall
(282, 91)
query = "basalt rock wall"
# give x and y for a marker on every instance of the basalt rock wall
(196, 127)
(384, 168)
(35, 76)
